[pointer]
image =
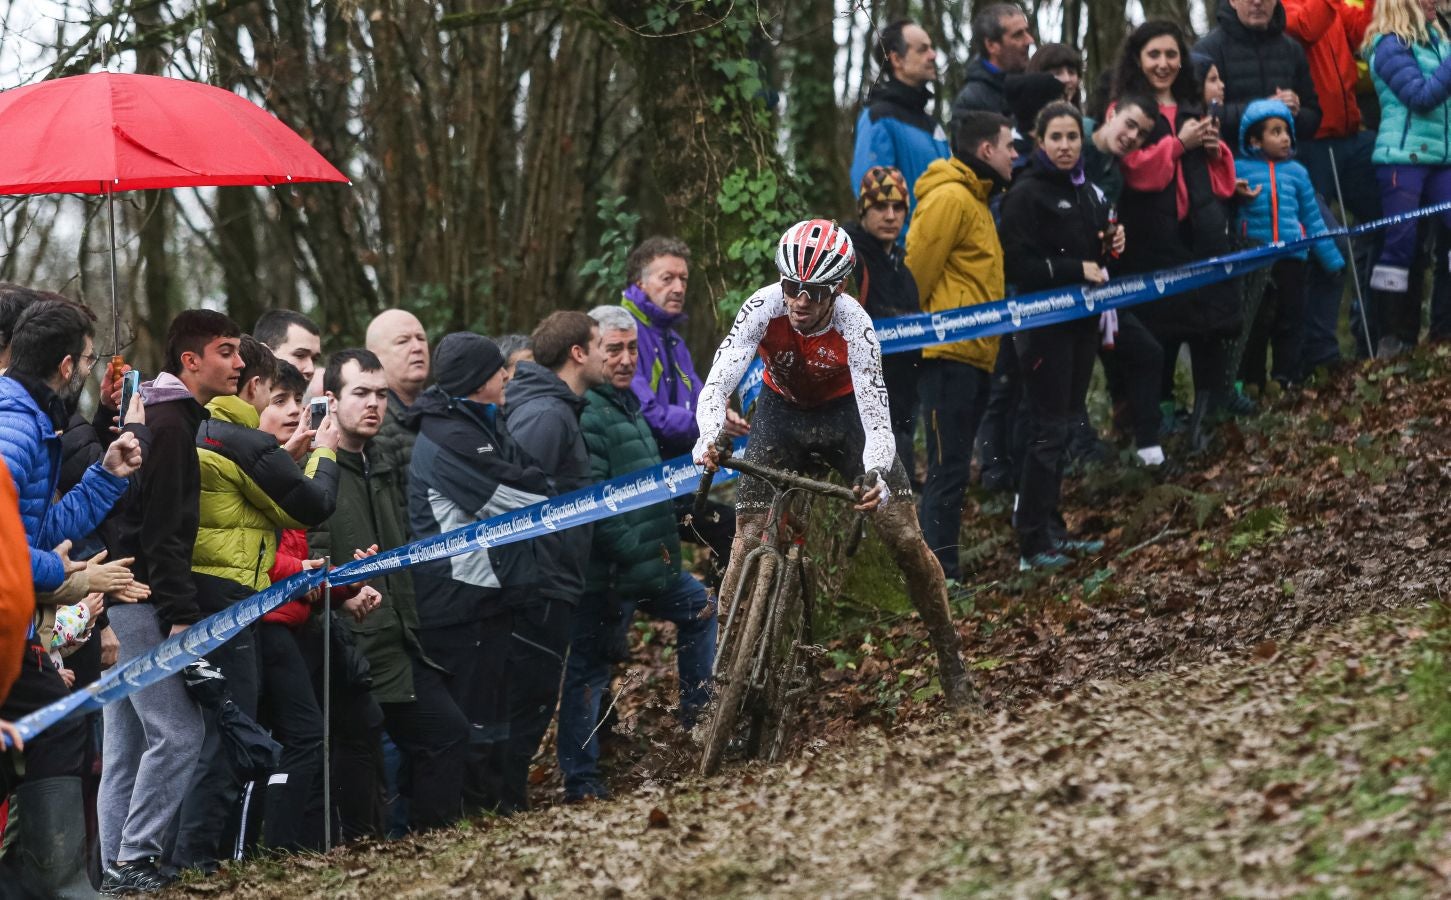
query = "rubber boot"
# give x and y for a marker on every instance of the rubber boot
(1399, 318)
(50, 843)
(1199, 421)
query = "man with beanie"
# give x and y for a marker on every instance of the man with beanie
(634, 562)
(885, 289)
(466, 468)
(894, 129)
(956, 258)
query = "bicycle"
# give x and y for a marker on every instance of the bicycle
(764, 667)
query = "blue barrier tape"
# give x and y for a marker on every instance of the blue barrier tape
(670, 479)
(1020, 313)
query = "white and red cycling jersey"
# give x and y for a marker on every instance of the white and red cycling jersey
(806, 370)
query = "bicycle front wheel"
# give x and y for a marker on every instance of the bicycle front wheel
(741, 651)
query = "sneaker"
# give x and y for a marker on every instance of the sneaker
(1043, 562)
(139, 876)
(1078, 547)
(586, 793)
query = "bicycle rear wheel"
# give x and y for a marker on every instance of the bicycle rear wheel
(742, 651)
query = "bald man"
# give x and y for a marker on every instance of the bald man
(397, 338)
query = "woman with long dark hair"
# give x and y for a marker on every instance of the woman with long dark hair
(1055, 232)
(1175, 188)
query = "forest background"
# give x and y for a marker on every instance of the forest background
(504, 156)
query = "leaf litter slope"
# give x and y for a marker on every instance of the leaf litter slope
(1145, 725)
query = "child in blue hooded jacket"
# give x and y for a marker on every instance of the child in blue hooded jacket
(1283, 209)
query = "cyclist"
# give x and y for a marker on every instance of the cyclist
(824, 405)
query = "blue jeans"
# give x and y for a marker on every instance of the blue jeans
(599, 619)
(954, 396)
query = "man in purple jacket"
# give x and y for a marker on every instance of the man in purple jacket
(665, 379)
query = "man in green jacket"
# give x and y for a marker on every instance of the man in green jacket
(634, 562)
(418, 713)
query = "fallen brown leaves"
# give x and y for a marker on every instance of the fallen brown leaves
(1212, 707)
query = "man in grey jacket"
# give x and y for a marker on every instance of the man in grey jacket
(527, 643)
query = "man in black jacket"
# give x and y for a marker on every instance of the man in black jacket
(153, 737)
(465, 468)
(1257, 60)
(545, 400)
(1001, 44)
(885, 289)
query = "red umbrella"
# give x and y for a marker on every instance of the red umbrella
(107, 132)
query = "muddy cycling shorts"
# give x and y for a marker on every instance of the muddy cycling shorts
(810, 442)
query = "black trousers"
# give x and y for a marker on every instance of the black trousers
(357, 804)
(1056, 363)
(521, 653)
(954, 395)
(60, 750)
(1132, 369)
(1279, 324)
(211, 800)
(900, 371)
(458, 648)
(290, 709)
(433, 733)
(1001, 434)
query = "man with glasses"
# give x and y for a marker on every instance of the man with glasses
(824, 406)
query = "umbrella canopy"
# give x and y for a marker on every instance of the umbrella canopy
(107, 132)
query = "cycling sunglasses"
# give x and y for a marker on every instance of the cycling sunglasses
(816, 293)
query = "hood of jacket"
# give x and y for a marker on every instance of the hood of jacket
(534, 382)
(1258, 111)
(1228, 19)
(163, 389)
(231, 408)
(645, 310)
(977, 70)
(954, 171)
(891, 98)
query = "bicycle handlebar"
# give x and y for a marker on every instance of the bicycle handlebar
(790, 480)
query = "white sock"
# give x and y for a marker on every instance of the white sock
(1151, 456)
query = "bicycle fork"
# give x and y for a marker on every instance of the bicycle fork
(744, 585)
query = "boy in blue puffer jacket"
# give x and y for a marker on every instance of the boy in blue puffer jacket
(1282, 209)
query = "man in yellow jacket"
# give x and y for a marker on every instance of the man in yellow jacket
(251, 488)
(957, 261)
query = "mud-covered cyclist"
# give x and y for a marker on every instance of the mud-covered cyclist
(824, 406)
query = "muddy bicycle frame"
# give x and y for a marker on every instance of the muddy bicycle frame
(771, 581)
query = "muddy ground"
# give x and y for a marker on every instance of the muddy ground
(1241, 696)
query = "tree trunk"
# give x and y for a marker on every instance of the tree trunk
(711, 145)
(817, 133)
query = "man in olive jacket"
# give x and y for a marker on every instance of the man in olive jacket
(418, 712)
(634, 562)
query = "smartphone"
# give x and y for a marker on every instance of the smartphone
(316, 412)
(130, 384)
(1216, 110)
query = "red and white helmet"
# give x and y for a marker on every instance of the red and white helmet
(815, 252)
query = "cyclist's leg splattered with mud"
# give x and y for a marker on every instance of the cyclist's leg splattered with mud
(898, 528)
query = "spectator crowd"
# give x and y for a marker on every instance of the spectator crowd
(251, 457)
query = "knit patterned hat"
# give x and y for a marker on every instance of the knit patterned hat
(881, 184)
